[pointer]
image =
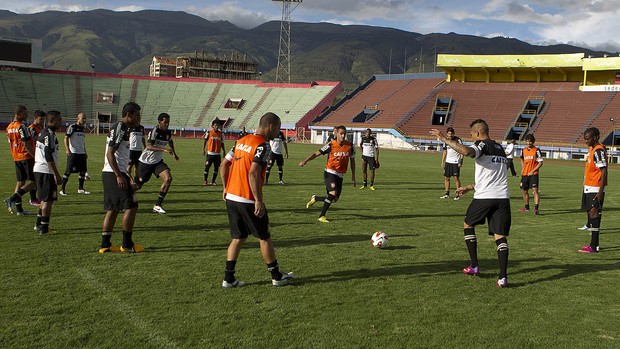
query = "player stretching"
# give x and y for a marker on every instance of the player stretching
(243, 172)
(491, 198)
(151, 161)
(46, 171)
(23, 155)
(451, 162)
(76, 154)
(370, 158)
(594, 183)
(136, 144)
(118, 193)
(213, 145)
(531, 162)
(276, 155)
(340, 151)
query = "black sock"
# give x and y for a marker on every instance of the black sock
(280, 173)
(214, 177)
(206, 173)
(536, 207)
(45, 224)
(365, 182)
(39, 215)
(326, 203)
(17, 196)
(472, 245)
(229, 272)
(595, 227)
(33, 195)
(106, 239)
(127, 241)
(274, 269)
(80, 182)
(160, 198)
(502, 256)
(527, 207)
(18, 205)
(447, 193)
(65, 179)
(267, 175)
(372, 183)
(319, 198)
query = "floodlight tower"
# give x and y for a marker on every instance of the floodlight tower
(283, 71)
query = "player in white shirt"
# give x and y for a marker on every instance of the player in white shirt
(510, 154)
(276, 157)
(451, 162)
(370, 158)
(491, 198)
(45, 170)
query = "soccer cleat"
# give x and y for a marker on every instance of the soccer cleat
(588, 249)
(502, 283)
(9, 205)
(445, 196)
(585, 227)
(236, 283)
(523, 209)
(39, 230)
(308, 204)
(35, 203)
(158, 209)
(134, 249)
(205, 183)
(62, 192)
(87, 176)
(112, 248)
(457, 198)
(536, 212)
(82, 191)
(475, 271)
(372, 188)
(286, 278)
(323, 219)
(362, 187)
(213, 184)
(22, 213)
(281, 182)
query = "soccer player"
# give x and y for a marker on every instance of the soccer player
(531, 162)
(243, 133)
(151, 161)
(451, 162)
(491, 198)
(243, 172)
(594, 183)
(77, 158)
(46, 171)
(136, 144)
(275, 156)
(118, 193)
(332, 137)
(510, 153)
(340, 151)
(213, 145)
(35, 130)
(370, 158)
(23, 155)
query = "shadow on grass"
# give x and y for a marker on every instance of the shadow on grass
(565, 270)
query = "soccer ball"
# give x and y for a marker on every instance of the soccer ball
(379, 239)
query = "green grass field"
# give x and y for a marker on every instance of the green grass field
(56, 291)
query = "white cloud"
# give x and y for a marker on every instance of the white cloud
(131, 8)
(234, 12)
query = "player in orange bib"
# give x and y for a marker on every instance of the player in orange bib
(531, 161)
(594, 183)
(340, 152)
(213, 145)
(243, 174)
(23, 155)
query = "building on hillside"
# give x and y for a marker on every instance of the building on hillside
(201, 65)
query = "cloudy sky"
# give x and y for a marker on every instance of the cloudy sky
(590, 23)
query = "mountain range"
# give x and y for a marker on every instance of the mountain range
(125, 42)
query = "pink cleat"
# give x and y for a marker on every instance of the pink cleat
(588, 249)
(475, 271)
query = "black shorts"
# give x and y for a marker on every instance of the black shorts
(23, 170)
(47, 189)
(115, 198)
(215, 160)
(76, 163)
(451, 170)
(243, 222)
(589, 201)
(332, 182)
(495, 211)
(529, 182)
(146, 170)
(370, 161)
(134, 157)
(277, 158)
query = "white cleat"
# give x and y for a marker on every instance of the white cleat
(62, 192)
(585, 227)
(82, 191)
(286, 278)
(158, 209)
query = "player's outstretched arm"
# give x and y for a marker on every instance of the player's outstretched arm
(460, 148)
(310, 158)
